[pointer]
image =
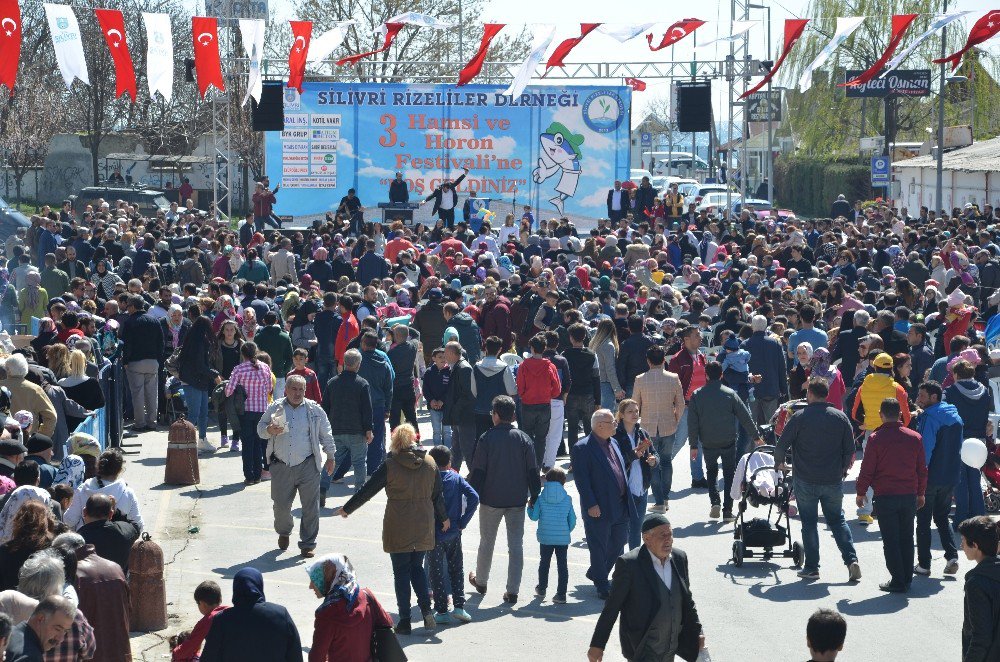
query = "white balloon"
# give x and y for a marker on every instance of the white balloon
(974, 453)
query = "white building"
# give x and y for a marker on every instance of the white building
(970, 174)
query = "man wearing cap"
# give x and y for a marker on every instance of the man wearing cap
(651, 590)
(11, 454)
(40, 450)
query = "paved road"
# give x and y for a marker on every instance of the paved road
(756, 612)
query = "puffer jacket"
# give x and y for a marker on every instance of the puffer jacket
(874, 389)
(981, 624)
(940, 427)
(553, 510)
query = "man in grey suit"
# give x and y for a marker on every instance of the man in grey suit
(651, 590)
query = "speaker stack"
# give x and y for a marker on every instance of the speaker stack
(269, 114)
(694, 107)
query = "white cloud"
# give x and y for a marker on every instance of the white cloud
(598, 198)
(375, 171)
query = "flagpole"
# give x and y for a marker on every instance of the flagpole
(939, 174)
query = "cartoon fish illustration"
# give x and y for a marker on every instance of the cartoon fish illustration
(560, 153)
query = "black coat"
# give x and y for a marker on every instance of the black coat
(981, 625)
(111, 539)
(625, 447)
(626, 202)
(632, 359)
(264, 631)
(437, 194)
(637, 599)
(459, 403)
(142, 338)
(347, 400)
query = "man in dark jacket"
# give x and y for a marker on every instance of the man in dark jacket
(632, 354)
(326, 324)
(974, 403)
(651, 590)
(981, 621)
(460, 406)
(822, 441)
(496, 317)
(275, 341)
(377, 371)
(585, 387)
(505, 475)
(40, 450)
(430, 323)
(142, 344)
(108, 530)
(989, 280)
(403, 356)
(940, 427)
(445, 199)
(841, 207)
(468, 331)
(347, 401)
(48, 625)
(643, 199)
(371, 266)
(893, 341)
(921, 354)
(619, 204)
(767, 365)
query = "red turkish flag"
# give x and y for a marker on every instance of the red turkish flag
(794, 27)
(567, 45)
(113, 27)
(900, 23)
(10, 42)
(391, 30)
(675, 33)
(985, 28)
(207, 63)
(302, 33)
(475, 65)
(636, 84)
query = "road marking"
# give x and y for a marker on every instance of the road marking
(162, 513)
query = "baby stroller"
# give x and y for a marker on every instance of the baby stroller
(174, 393)
(762, 487)
(991, 472)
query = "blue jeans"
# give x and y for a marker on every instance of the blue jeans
(325, 369)
(810, 498)
(635, 516)
(352, 449)
(253, 445)
(607, 396)
(407, 570)
(662, 475)
(196, 402)
(968, 495)
(376, 449)
(697, 470)
(562, 568)
(441, 432)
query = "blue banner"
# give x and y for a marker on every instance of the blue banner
(557, 149)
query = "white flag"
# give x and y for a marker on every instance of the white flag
(159, 55)
(252, 31)
(321, 47)
(67, 43)
(739, 28)
(540, 42)
(623, 33)
(846, 26)
(939, 22)
(423, 20)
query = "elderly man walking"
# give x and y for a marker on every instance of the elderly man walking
(296, 429)
(347, 402)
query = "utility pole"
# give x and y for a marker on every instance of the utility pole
(939, 184)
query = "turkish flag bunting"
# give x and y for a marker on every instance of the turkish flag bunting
(475, 65)
(675, 33)
(207, 63)
(567, 45)
(10, 42)
(900, 23)
(636, 84)
(985, 28)
(302, 33)
(794, 27)
(391, 30)
(113, 27)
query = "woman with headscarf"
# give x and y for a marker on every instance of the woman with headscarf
(46, 336)
(252, 629)
(225, 310)
(342, 265)
(33, 300)
(124, 269)
(249, 328)
(81, 463)
(320, 268)
(303, 331)
(820, 368)
(104, 279)
(348, 615)
(798, 376)
(18, 498)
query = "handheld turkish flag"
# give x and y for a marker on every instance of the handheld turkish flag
(636, 84)
(113, 27)
(302, 33)
(794, 27)
(985, 29)
(900, 23)
(675, 33)
(10, 42)
(475, 65)
(567, 45)
(207, 63)
(391, 30)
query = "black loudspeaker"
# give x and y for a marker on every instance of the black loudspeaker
(269, 114)
(694, 107)
(189, 69)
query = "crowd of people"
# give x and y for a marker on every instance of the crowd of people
(542, 354)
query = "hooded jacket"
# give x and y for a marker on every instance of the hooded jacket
(275, 341)
(553, 510)
(974, 403)
(376, 369)
(485, 386)
(252, 629)
(468, 335)
(940, 427)
(981, 622)
(537, 381)
(461, 502)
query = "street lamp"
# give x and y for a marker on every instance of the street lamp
(769, 167)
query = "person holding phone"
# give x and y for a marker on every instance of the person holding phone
(640, 457)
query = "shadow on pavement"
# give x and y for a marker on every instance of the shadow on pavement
(218, 491)
(791, 591)
(698, 529)
(266, 562)
(887, 603)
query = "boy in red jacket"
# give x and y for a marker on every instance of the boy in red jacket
(300, 357)
(537, 385)
(186, 645)
(895, 467)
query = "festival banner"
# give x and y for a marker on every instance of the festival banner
(555, 148)
(301, 34)
(113, 27)
(159, 55)
(10, 42)
(252, 34)
(207, 63)
(845, 28)
(67, 43)
(567, 45)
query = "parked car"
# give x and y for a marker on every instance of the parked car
(10, 220)
(716, 200)
(147, 201)
(705, 189)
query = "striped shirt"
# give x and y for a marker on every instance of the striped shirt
(256, 381)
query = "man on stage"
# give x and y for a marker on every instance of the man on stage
(350, 206)
(445, 199)
(399, 192)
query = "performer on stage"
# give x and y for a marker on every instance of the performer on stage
(398, 189)
(350, 206)
(445, 199)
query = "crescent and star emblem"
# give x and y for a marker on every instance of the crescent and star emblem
(111, 33)
(674, 33)
(298, 49)
(205, 42)
(9, 25)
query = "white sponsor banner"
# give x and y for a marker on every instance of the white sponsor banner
(159, 55)
(67, 43)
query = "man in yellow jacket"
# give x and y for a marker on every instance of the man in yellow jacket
(876, 387)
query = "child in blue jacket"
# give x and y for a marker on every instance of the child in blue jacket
(461, 501)
(553, 510)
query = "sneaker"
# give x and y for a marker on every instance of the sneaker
(265, 475)
(658, 508)
(889, 587)
(559, 598)
(403, 627)
(865, 520)
(539, 592)
(715, 512)
(204, 446)
(224, 443)
(805, 573)
(459, 614)
(430, 621)
(952, 567)
(854, 572)
(235, 447)
(442, 619)
(307, 553)
(727, 517)
(921, 570)
(666, 505)
(699, 484)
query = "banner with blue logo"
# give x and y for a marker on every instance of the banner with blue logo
(558, 149)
